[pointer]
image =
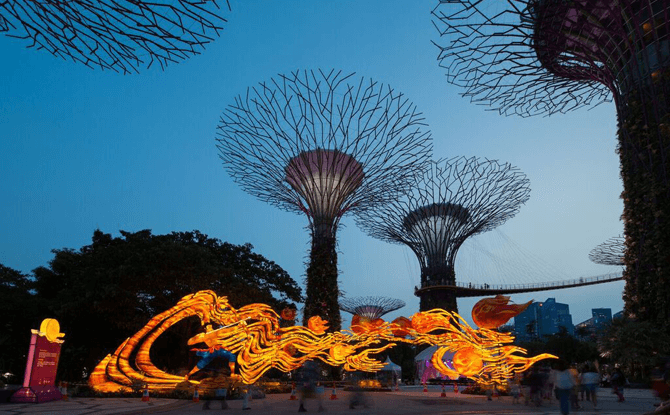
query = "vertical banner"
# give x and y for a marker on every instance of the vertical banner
(39, 381)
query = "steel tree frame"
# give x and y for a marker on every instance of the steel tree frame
(529, 57)
(609, 252)
(118, 35)
(324, 144)
(371, 307)
(452, 201)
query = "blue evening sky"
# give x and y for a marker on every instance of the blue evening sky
(82, 149)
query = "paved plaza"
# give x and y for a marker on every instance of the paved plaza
(411, 401)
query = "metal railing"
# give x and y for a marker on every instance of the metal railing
(539, 286)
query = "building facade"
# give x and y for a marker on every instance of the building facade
(542, 319)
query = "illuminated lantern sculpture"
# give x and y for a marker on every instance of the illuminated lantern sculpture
(253, 341)
(467, 362)
(400, 327)
(489, 313)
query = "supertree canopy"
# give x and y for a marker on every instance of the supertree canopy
(531, 57)
(323, 143)
(118, 35)
(370, 307)
(452, 201)
(609, 252)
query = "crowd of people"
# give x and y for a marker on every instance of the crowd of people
(569, 384)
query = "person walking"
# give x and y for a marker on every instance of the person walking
(574, 395)
(564, 382)
(618, 381)
(536, 381)
(309, 374)
(590, 380)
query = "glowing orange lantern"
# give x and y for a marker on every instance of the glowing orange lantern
(401, 326)
(467, 361)
(288, 314)
(376, 323)
(490, 313)
(425, 322)
(317, 324)
(360, 324)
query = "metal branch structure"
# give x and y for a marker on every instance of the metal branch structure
(323, 144)
(529, 57)
(452, 201)
(119, 35)
(610, 252)
(370, 307)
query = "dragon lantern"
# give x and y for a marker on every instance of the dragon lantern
(252, 340)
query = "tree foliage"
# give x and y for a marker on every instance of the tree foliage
(106, 291)
(19, 314)
(637, 345)
(564, 346)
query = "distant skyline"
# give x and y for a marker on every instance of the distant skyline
(83, 149)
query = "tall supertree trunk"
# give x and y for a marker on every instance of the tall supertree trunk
(644, 148)
(438, 298)
(322, 287)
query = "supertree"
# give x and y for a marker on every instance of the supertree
(609, 252)
(118, 35)
(324, 144)
(370, 307)
(452, 201)
(530, 57)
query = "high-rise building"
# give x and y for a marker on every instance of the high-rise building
(543, 319)
(601, 317)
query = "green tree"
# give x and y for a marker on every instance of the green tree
(563, 345)
(20, 313)
(105, 292)
(637, 345)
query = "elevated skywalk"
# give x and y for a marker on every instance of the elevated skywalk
(468, 289)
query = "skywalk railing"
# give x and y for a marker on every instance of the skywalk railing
(532, 286)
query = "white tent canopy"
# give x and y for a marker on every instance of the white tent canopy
(425, 369)
(389, 366)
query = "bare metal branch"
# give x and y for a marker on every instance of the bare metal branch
(610, 252)
(323, 143)
(370, 307)
(454, 200)
(121, 35)
(530, 57)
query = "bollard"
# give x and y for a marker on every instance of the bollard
(196, 394)
(145, 394)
